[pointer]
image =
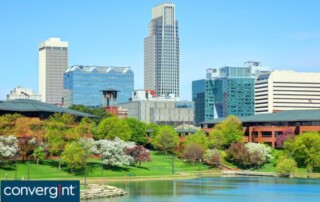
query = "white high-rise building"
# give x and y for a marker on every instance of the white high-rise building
(282, 90)
(53, 62)
(161, 52)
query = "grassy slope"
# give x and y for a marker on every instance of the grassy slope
(160, 165)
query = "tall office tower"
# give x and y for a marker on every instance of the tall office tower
(161, 52)
(53, 62)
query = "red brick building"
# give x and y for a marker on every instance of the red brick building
(266, 127)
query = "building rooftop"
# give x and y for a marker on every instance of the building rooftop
(23, 106)
(100, 69)
(283, 116)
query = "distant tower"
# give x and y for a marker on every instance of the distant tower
(109, 102)
(53, 62)
(161, 52)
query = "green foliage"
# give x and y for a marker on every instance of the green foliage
(62, 118)
(85, 128)
(138, 131)
(286, 166)
(305, 149)
(99, 112)
(225, 133)
(39, 154)
(198, 137)
(7, 123)
(112, 127)
(154, 127)
(74, 155)
(58, 131)
(166, 139)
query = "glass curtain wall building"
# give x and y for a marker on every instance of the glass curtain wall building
(161, 52)
(84, 84)
(229, 92)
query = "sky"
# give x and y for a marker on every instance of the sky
(213, 33)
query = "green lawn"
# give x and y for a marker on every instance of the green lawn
(160, 165)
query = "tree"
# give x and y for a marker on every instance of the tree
(99, 112)
(198, 137)
(26, 146)
(112, 152)
(138, 131)
(8, 123)
(112, 127)
(259, 153)
(216, 139)
(85, 128)
(166, 139)
(286, 167)
(39, 154)
(305, 149)
(8, 148)
(139, 154)
(250, 154)
(76, 153)
(212, 157)
(287, 135)
(238, 153)
(193, 152)
(154, 128)
(225, 133)
(73, 155)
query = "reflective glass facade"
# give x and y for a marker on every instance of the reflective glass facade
(84, 84)
(232, 93)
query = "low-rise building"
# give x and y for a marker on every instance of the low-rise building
(159, 110)
(265, 128)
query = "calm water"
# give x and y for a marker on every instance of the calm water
(235, 189)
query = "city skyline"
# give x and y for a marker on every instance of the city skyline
(283, 35)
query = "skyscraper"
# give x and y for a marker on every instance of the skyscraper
(161, 52)
(53, 62)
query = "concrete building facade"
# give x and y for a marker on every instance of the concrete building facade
(161, 52)
(53, 62)
(160, 110)
(282, 90)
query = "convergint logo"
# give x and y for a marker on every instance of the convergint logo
(34, 191)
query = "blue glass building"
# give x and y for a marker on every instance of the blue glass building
(84, 84)
(226, 91)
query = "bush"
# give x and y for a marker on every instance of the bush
(286, 167)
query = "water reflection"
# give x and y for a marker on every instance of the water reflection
(221, 189)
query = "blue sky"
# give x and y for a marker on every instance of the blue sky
(283, 34)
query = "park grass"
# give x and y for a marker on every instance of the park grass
(161, 165)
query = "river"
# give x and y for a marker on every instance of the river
(235, 189)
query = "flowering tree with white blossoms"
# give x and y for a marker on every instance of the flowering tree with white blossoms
(113, 152)
(8, 147)
(261, 152)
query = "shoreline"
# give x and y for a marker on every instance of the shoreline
(178, 176)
